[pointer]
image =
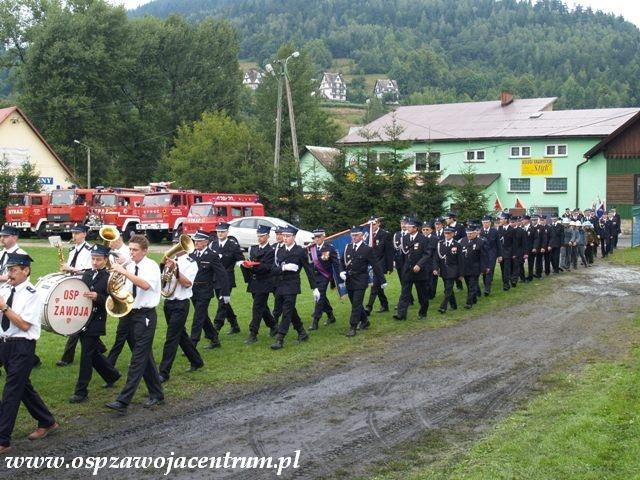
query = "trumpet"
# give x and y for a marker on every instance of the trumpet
(169, 282)
(120, 301)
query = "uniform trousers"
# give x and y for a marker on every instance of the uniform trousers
(358, 313)
(449, 295)
(289, 314)
(322, 305)
(473, 288)
(201, 299)
(17, 357)
(70, 347)
(260, 311)
(176, 313)
(224, 312)
(423, 293)
(92, 357)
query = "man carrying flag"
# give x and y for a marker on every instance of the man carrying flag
(326, 267)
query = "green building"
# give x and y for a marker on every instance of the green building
(521, 149)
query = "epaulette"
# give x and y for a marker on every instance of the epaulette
(88, 247)
(31, 290)
(72, 247)
(190, 259)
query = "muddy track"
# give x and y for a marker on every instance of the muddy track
(468, 374)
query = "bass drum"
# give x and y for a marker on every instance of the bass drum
(65, 310)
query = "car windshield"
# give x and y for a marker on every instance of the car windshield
(104, 200)
(63, 197)
(200, 210)
(17, 200)
(157, 200)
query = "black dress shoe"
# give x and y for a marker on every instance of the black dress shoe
(383, 309)
(117, 405)
(213, 344)
(77, 398)
(303, 336)
(486, 294)
(351, 332)
(61, 363)
(162, 378)
(153, 402)
(252, 338)
(193, 368)
(273, 331)
(467, 306)
(331, 319)
(233, 331)
(367, 310)
(442, 310)
(422, 317)
(364, 325)
(111, 384)
(397, 317)
(454, 307)
(279, 343)
(314, 324)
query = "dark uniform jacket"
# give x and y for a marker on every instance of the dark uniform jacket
(605, 229)
(474, 256)
(541, 238)
(211, 274)
(518, 243)
(398, 245)
(258, 278)
(450, 259)
(493, 245)
(528, 239)
(461, 232)
(383, 249)
(97, 323)
(507, 240)
(286, 282)
(420, 253)
(327, 257)
(556, 235)
(229, 254)
(356, 264)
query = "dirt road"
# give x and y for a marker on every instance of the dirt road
(472, 372)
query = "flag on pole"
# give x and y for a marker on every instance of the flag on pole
(602, 208)
(519, 203)
(497, 206)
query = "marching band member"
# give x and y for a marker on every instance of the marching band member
(176, 311)
(9, 238)
(140, 324)
(92, 350)
(120, 250)
(20, 311)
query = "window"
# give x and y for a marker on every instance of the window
(556, 150)
(520, 185)
(236, 212)
(222, 211)
(636, 184)
(427, 161)
(248, 211)
(247, 223)
(36, 201)
(555, 185)
(520, 152)
(475, 155)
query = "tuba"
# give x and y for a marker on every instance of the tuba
(169, 282)
(120, 301)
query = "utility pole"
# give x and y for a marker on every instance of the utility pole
(88, 161)
(294, 136)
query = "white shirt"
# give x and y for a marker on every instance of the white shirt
(123, 253)
(26, 303)
(189, 268)
(83, 262)
(4, 258)
(149, 271)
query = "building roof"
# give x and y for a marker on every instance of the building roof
(325, 155)
(253, 75)
(385, 83)
(332, 78)
(482, 179)
(6, 113)
(522, 118)
(612, 136)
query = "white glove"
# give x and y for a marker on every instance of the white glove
(343, 275)
(383, 286)
(290, 267)
(341, 285)
(239, 263)
(225, 299)
(316, 294)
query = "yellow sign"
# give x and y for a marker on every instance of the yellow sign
(536, 166)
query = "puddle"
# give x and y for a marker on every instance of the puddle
(598, 291)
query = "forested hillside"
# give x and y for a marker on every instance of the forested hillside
(445, 50)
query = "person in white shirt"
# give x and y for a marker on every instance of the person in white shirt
(79, 254)
(120, 251)
(20, 311)
(143, 275)
(176, 311)
(9, 239)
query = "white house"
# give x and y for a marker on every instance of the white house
(333, 87)
(252, 78)
(387, 89)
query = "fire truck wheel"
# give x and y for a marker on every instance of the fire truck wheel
(155, 237)
(66, 236)
(130, 230)
(41, 232)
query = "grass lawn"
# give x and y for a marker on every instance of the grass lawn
(236, 364)
(626, 256)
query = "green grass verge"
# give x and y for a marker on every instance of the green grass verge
(626, 256)
(236, 364)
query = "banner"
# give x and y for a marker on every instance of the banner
(536, 167)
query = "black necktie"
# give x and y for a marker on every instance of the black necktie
(75, 257)
(5, 320)
(135, 287)
(4, 255)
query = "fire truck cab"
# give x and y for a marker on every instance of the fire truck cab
(223, 208)
(67, 207)
(27, 212)
(119, 207)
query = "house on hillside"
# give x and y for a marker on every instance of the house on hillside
(333, 87)
(315, 163)
(521, 148)
(387, 90)
(252, 78)
(21, 142)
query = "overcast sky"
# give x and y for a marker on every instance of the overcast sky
(629, 9)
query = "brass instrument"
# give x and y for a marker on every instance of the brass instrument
(120, 301)
(169, 282)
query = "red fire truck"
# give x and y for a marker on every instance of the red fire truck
(162, 214)
(116, 206)
(28, 212)
(67, 207)
(223, 207)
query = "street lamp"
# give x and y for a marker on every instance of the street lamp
(284, 75)
(88, 161)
